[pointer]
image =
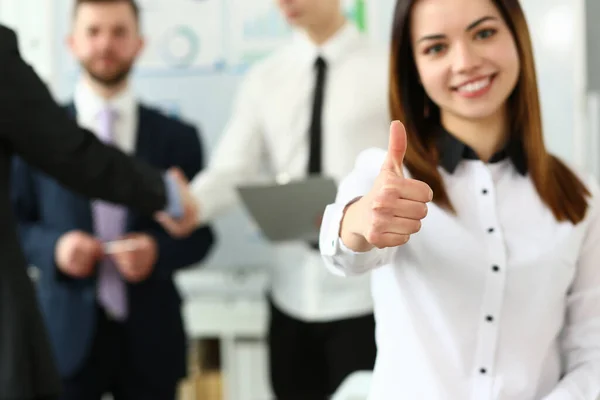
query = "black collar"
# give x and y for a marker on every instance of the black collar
(452, 151)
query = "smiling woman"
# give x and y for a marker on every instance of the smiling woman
(482, 246)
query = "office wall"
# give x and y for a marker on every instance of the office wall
(558, 31)
(36, 31)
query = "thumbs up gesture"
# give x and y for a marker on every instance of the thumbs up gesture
(393, 208)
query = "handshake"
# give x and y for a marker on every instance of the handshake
(190, 220)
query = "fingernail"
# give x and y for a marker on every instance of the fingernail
(430, 194)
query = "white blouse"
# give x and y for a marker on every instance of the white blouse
(499, 301)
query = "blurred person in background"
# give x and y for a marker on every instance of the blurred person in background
(114, 319)
(37, 129)
(310, 107)
(482, 246)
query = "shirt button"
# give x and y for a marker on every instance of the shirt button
(490, 230)
(484, 191)
(495, 268)
(482, 370)
(489, 318)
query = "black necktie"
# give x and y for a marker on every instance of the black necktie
(314, 159)
(316, 127)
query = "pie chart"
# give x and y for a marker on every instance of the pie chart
(180, 46)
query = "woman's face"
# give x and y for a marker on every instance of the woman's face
(465, 55)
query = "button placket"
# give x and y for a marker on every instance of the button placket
(494, 286)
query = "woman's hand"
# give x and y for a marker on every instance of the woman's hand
(393, 208)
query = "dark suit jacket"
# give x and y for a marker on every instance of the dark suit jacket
(46, 210)
(35, 127)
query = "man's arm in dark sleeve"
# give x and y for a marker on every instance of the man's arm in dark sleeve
(35, 127)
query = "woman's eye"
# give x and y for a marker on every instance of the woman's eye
(436, 48)
(486, 33)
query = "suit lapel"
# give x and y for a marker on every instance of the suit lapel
(144, 146)
(81, 205)
(144, 137)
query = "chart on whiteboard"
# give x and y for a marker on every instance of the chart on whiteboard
(207, 36)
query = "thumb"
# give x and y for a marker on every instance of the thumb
(396, 149)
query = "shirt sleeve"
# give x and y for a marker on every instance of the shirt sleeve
(237, 157)
(338, 258)
(580, 338)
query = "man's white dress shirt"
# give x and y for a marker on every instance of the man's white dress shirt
(499, 301)
(269, 129)
(89, 105)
